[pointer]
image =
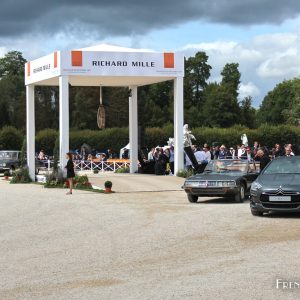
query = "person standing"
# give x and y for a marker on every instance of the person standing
(161, 163)
(277, 151)
(249, 155)
(241, 152)
(263, 159)
(207, 153)
(70, 172)
(171, 159)
(222, 152)
(231, 153)
(288, 152)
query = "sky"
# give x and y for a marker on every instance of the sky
(262, 36)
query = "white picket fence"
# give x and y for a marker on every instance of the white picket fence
(86, 165)
(102, 166)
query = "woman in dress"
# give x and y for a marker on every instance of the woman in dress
(70, 171)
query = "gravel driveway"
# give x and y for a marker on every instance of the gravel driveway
(137, 244)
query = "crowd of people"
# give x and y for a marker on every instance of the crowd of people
(160, 160)
(258, 153)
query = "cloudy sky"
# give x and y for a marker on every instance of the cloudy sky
(263, 36)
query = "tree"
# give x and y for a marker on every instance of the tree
(12, 89)
(197, 72)
(281, 105)
(156, 104)
(12, 64)
(248, 113)
(116, 102)
(231, 77)
(221, 108)
(83, 107)
(46, 107)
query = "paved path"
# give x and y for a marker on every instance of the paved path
(141, 245)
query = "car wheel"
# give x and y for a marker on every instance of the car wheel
(240, 196)
(192, 198)
(256, 213)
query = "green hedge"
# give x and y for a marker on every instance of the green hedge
(266, 135)
(10, 138)
(116, 138)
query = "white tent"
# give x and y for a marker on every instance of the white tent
(104, 65)
(122, 150)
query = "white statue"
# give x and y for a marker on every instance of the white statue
(187, 136)
(171, 142)
(244, 140)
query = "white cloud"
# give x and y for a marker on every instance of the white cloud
(281, 64)
(3, 51)
(248, 89)
(263, 61)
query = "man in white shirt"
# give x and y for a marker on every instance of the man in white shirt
(207, 153)
(241, 151)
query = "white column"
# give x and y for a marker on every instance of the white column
(63, 120)
(178, 124)
(133, 129)
(30, 128)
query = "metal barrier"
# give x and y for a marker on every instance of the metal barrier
(102, 166)
(87, 165)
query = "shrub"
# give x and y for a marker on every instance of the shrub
(81, 179)
(108, 184)
(23, 153)
(185, 173)
(10, 138)
(21, 176)
(54, 179)
(123, 170)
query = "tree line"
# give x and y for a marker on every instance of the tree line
(209, 104)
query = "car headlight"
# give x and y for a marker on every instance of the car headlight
(191, 183)
(228, 183)
(255, 186)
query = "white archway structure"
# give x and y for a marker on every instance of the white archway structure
(103, 65)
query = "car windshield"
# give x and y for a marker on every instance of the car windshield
(283, 166)
(8, 155)
(225, 166)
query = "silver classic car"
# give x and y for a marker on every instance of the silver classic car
(222, 178)
(10, 160)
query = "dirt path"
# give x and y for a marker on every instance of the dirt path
(141, 245)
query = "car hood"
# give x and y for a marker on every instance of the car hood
(276, 180)
(211, 176)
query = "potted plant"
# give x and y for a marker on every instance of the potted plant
(6, 175)
(108, 185)
(95, 171)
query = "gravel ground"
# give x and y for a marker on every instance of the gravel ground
(137, 244)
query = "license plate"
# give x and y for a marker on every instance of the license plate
(280, 198)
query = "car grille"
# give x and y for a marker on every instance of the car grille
(281, 205)
(207, 183)
(294, 203)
